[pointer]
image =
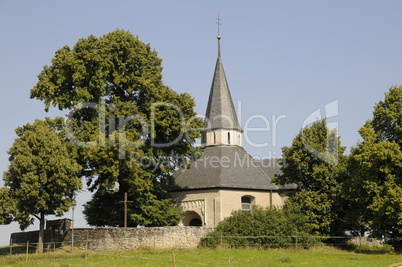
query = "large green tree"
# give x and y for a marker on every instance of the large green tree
(315, 162)
(132, 131)
(42, 177)
(376, 185)
(376, 170)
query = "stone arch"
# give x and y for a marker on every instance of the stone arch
(195, 222)
(192, 218)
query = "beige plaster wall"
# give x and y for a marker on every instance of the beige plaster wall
(221, 138)
(212, 204)
(219, 203)
(231, 200)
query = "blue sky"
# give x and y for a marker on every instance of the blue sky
(283, 59)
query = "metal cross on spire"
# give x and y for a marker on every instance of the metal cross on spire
(218, 21)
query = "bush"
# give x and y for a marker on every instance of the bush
(395, 241)
(385, 248)
(264, 228)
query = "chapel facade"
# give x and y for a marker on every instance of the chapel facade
(225, 178)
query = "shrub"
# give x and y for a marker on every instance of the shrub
(264, 228)
(364, 248)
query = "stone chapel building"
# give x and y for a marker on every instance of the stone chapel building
(225, 178)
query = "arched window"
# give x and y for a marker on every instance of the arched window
(246, 204)
(229, 138)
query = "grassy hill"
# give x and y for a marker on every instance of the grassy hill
(317, 256)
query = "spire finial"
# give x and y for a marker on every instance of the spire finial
(218, 21)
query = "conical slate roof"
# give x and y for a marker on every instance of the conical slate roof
(220, 110)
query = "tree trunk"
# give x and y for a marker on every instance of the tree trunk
(39, 248)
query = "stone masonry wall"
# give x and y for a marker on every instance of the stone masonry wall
(22, 237)
(111, 238)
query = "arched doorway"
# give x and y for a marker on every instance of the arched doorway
(192, 218)
(195, 222)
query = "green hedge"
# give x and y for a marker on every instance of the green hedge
(264, 228)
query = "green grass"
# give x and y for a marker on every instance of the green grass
(317, 256)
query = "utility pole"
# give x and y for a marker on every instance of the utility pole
(125, 208)
(73, 205)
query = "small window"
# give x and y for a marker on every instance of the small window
(229, 138)
(214, 138)
(246, 204)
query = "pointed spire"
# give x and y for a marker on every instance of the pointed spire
(219, 45)
(220, 112)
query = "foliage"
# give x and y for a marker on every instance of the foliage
(376, 169)
(364, 248)
(157, 212)
(7, 207)
(132, 131)
(387, 117)
(376, 187)
(153, 212)
(315, 162)
(42, 177)
(266, 228)
(316, 206)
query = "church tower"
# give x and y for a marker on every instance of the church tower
(222, 125)
(225, 178)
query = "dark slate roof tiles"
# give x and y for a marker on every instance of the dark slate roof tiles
(227, 167)
(221, 113)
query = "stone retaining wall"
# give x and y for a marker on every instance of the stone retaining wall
(111, 238)
(22, 237)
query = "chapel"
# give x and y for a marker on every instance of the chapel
(225, 178)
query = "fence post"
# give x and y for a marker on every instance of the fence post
(86, 251)
(296, 242)
(154, 241)
(174, 260)
(54, 254)
(27, 251)
(86, 246)
(11, 247)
